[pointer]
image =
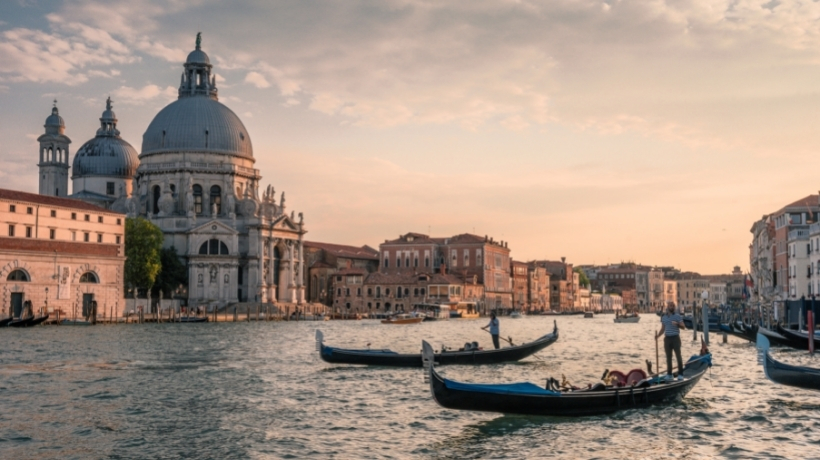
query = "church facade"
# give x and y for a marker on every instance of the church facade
(195, 179)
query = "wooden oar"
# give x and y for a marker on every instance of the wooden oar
(657, 355)
(508, 339)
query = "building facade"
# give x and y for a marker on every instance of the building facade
(61, 255)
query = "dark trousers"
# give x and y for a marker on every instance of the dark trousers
(670, 344)
(495, 342)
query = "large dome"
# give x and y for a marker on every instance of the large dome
(197, 124)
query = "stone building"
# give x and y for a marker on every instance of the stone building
(61, 255)
(562, 284)
(195, 179)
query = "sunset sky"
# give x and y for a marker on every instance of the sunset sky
(601, 131)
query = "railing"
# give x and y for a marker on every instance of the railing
(200, 165)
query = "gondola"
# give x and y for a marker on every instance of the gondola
(531, 399)
(797, 339)
(739, 331)
(784, 374)
(22, 322)
(5, 321)
(469, 357)
(191, 319)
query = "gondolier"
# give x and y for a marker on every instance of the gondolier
(671, 324)
(493, 325)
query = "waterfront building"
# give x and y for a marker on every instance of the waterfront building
(538, 287)
(717, 293)
(600, 302)
(797, 215)
(799, 268)
(691, 287)
(520, 285)
(761, 260)
(814, 259)
(195, 179)
(670, 292)
(562, 285)
(465, 255)
(325, 260)
(61, 255)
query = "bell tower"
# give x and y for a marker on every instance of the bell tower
(54, 156)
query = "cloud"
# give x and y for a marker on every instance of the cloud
(139, 96)
(256, 79)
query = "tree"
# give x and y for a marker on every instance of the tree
(582, 277)
(172, 274)
(143, 243)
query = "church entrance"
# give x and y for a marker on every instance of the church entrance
(16, 304)
(88, 300)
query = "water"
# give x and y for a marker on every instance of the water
(259, 390)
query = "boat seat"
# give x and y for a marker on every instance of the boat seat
(619, 376)
(634, 376)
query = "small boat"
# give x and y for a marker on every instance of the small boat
(191, 319)
(75, 322)
(472, 356)
(798, 339)
(22, 322)
(795, 376)
(589, 314)
(516, 315)
(714, 323)
(404, 318)
(531, 399)
(627, 318)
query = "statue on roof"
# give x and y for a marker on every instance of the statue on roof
(198, 39)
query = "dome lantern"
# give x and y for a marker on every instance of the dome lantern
(196, 79)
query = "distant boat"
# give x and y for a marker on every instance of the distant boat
(75, 322)
(516, 315)
(589, 314)
(628, 318)
(191, 319)
(28, 322)
(404, 318)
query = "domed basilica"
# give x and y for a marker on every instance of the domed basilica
(196, 180)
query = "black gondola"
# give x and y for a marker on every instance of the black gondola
(5, 321)
(795, 376)
(22, 322)
(192, 319)
(469, 357)
(740, 330)
(532, 399)
(797, 339)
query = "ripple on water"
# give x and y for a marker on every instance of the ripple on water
(259, 390)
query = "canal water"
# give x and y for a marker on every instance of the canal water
(259, 390)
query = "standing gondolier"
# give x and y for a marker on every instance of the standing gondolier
(493, 325)
(671, 324)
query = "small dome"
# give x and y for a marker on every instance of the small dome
(197, 56)
(106, 156)
(55, 119)
(198, 124)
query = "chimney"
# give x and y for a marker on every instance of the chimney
(563, 260)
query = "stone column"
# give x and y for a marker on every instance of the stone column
(301, 275)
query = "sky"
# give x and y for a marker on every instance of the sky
(600, 131)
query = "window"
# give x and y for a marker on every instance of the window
(398, 261)
(89, 277)
(216, 198)
(73, 236)
(197, 199)
(11, 230)
(73, 216)
(12, 208)
(466, 259)
(407, 261)
(86, 237)
(347, 292)
(100, 219)
(426, 261)
(28, 232)
(88, 218)
(29, 210)
(359, 292)
(53, 213)
(416, 262)
(109, 188)
(387, 292)
(422, 291)
(99, 237)
(398, 293)
(369, 291)
(386, 262)
(51, 233)
(119, 221)
(118, 239)
(18, 275)
(214, 247)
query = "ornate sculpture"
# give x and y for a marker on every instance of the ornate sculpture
(198, 39)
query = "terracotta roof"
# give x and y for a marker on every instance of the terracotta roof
(340, 250)
(409, 278)
(803, 204)
(321, 264)
(351, 271)
(467, 238)
(417, 238)
(16, 195)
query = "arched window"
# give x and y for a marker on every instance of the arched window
(398, 292)
(18, 275)
(406, 292)
(387, 291)
(156, 198)
(197, 199)
(416, 292)
(213, 247)
(216, 198)
(422, 291)
(370, 290)
(89, 277)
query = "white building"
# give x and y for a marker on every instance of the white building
(799, 249)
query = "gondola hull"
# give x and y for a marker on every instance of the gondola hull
(795, 376)
(461, 396)
(472, 357)
(798, 340)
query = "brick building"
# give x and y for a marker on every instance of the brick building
(60, 254)
(325, 260)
